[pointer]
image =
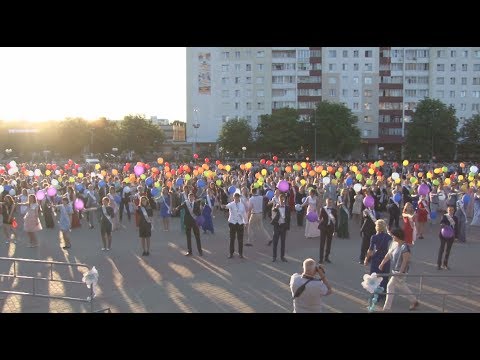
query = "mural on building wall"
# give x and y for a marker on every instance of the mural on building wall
(204, 75)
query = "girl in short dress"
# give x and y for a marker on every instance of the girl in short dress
(145, 214)
(65, 212)
(32, 220)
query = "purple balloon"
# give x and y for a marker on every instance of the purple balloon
(423, 189)
(369, 201)
(40, 195)
(283, 186)
(200, 220)
(447, 232)
(51, 191)
(138, 170)
(312, 216)
(79, 204)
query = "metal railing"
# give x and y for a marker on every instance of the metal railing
(469, 290)
(35, 279)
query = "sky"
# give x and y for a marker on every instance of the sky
(47, 83)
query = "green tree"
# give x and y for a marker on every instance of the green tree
(280, 133)
(333, 124)
(469, 147)
(139, 134)
(234, 135)
(432, 132)
(106, 135)
(74, 136)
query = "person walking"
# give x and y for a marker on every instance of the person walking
(451, 220)
(192, 210)
(328, 221)
(281, 223)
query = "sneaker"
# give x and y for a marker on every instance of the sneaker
(144, 253)
(414, 305)
(147, 253)
(248, 244)
(108, 249)
(103, 249)
(439, 267)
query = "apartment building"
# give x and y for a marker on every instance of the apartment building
(381, 85)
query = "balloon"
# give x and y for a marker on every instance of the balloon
(195, 156)
(283, 186)
(269, 194)
(298, 207)
(78, 204)
(200, 220)
(54, 182)
(473, 169)
(201, 183)
(397, 197)
(395, 176)
(368, 201)
(433, 215)
(312, 216)
(357, 187)
(447, 232)
(232, 189)
(179, 182)
(160, 161)
(275, 158)
(423, 189)
(51, 191)
(97, 166)
(405, 162)
(326, 180)
(1, 189)
(155, 192)
(466, 199)
(349, 181)
(12, 192)
(79, 187)
(138, 170)
(40, 195)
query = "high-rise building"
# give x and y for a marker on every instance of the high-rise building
(381, 86)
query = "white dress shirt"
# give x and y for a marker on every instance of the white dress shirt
(236, 212)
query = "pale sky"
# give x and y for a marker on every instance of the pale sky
(45, 83)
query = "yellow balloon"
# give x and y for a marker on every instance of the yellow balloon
(97, 166)
(447, 181)
(405, 162)
(353, 168)
(247, 166)
(303, 165)
(334, 181)
(324, 172)
(397, 181)
(71, 179)
(264, 172)
(80, 175)
(228, 167)
(303, 182)
(48, 172)
(429, 175)
(371, 171)
(460, 177)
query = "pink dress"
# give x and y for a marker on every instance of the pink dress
(32, 222)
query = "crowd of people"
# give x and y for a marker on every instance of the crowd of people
(322, 197)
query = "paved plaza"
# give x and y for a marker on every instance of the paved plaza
(169, 282)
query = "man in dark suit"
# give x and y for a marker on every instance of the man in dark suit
(192, 210)
(328, 221)
(281, 223)
(367, 230)
(449, 219)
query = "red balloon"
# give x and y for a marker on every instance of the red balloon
(395, 164)
(195, 156)
(147, 166)
(275, 158)
(49, 166)
(207, 160)
(218, 162)
(167, 164)
(262, 161)
(275, 169)
(416, 166)
(70, 162)
(77, 166)
(54, 166)
(74, 172)
(364, 170)
(269, 162)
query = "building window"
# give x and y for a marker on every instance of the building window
(260, 106)
(368, 106)
(356, 53)
(476, 53)
(476, 81)
(368, 67)
(332, 80)
(476, 94)
(225, 93)
(441, 54)
(464, 67)
(475, 107)
(260, 54)
(440, 67)
(248, 67)
(465, 53)
(333, 92)
(224, 68)
(237, 67)
(440, 94)
(453, 67)
(463, 93)
(225, 55)
(224, 80)
(463, 107)
(356, 93)
(260, 93)
(332, 53)
(237, 80)
(367, 132)
(453, 53)
(345, 53)
(368, 53)
(345, 92)
(367, 93)
(260, 67)
(237, 93)
(237, 54)
(249, 118)
(368, 80)
(476, 67)
(345, 67)
(452, 81)
(355, 67)
(332, 67)
(224, 118)
(355, 79)
(355, 106)
(452, 94)
(248, 93)
(248, 80)
(464, 81)
(440, 80)
(368, 118)
(249, 106)
(237, 106)
(259, 80)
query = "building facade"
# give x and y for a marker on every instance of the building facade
(381, 85)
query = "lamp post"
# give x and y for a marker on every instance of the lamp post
(315, 133)
(195, 125)
(91, 139)
(244, 149)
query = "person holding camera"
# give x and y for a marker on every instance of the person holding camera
(308, 290)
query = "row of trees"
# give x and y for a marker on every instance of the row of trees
(286, 133)
(72, 136)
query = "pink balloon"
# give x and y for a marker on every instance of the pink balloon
(40, 195)
(138, 170)
(283, 186)
(312, 216)
(369, 201)
(79, 204)
(51, 191)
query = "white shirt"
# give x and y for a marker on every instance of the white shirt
(256, 203)
(236, 212)
(310, 301)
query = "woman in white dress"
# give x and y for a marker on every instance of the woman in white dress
(312, 204)
(357, 207)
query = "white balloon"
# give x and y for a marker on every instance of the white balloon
(1, 188)
(12, 192)
(11, 171)
(326, 180)
(54, 182)
(57, 172)
(298, 207)
(473, 169)
(357, 187)
(13, 182)
(13, 163)
(30, 173)
(395, 176)
(37, 172)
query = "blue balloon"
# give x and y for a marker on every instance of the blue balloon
(7, 188)
(433, 215)
(117, 199)
(155, 191)
(79, 187)
(201, 183)
(349, 181)
(397, 197)
(179, 182)
(269, 194)
(102, 183)
(149, 181)
(232, 189)
(466, 199)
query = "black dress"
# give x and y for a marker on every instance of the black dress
(48, 214)
(144, 227)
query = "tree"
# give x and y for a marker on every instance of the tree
(106, 135)
(139, 134)
(469, 147)
(234, 135)
(333, 124)
(432, 132)
(74, 136)
(280, 133)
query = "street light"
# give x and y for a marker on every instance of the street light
(315, 133)
(195, 125)
(244, 148)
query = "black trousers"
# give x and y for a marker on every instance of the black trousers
(393, 219)
(279, 232)
(196, 232)
(449, 243)
(124, 203)
(364, 247)
(236, 230)
(326, 237)
(300, 215)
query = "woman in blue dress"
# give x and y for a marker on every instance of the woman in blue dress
(207, 211)
(165, 208)
(379, 245)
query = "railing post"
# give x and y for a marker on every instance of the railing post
(14, 268)
(443, 303)
(51, 271)
(33, 286)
